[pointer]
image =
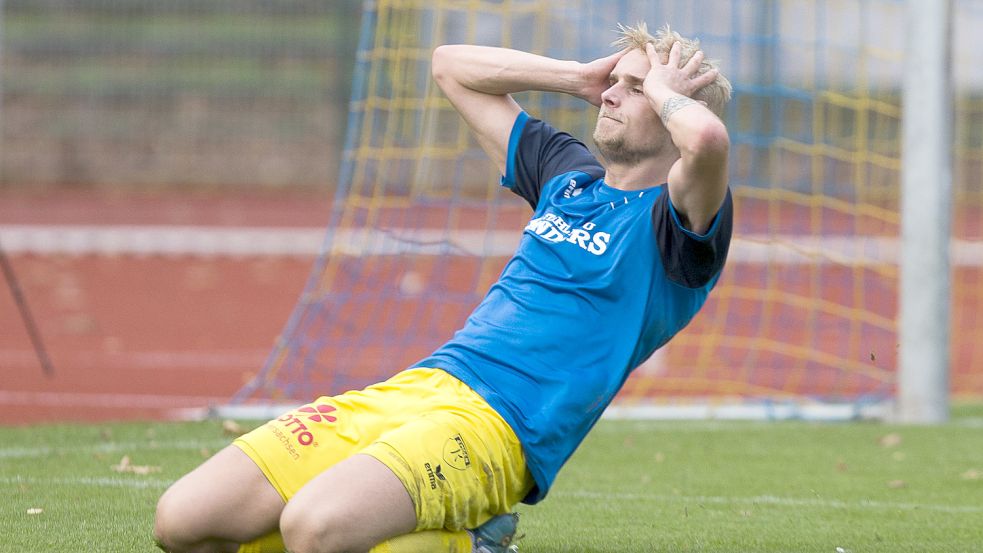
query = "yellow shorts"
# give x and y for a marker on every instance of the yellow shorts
(459, 460)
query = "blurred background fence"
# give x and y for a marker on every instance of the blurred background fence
(143, 94)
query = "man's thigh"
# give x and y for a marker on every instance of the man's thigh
(226, 498)
(239, 494)
(351, 506)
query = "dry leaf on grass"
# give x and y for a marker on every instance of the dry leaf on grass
(897, 484)
(125, 466)
(232, 428)
(890, 440)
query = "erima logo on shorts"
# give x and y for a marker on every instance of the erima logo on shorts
(433, 475)
(552, 228)
(297, 423)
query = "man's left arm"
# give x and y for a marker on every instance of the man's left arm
(698, 180)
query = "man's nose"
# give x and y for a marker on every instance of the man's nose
(610, 96)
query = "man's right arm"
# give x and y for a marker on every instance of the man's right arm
(478, 80)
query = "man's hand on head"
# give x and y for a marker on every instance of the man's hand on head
(666, 77)
(596, 76)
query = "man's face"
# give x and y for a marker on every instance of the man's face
(628, 129)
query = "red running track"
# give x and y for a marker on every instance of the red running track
(139, 337)
(143, 337)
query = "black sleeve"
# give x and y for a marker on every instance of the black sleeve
(538, 152)
(692, 260)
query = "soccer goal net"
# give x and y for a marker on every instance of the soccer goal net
(805, 312)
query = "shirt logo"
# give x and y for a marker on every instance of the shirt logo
(571, 191)
(552, 228)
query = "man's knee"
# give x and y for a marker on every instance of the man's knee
(171, 531)
(319, 529)
(166, 524)
(177, 531)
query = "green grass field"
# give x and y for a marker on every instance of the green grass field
(633, 487)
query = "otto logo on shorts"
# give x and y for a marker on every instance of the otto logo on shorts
(298, 423)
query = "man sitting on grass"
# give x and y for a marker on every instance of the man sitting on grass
(619, 255)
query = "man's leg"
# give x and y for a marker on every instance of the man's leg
(222, 503)
(360, 504)
(351, 506)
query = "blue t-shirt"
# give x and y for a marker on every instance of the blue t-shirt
(601, 278)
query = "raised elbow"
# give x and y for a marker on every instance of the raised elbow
(711, 141)
(442, 61)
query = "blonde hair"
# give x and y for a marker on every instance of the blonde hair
(715, 94)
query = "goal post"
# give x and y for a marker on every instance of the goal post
(926, 212)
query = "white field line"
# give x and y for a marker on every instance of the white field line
(160, 240)
(308, 242)
(818, 503)
(110, 447)
(101, 482)
(108, 400)
(143, 483)
(147, 360)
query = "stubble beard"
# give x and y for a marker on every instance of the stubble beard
(617, 150)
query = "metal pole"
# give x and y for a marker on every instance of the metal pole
(926, 210)
(32, 328)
